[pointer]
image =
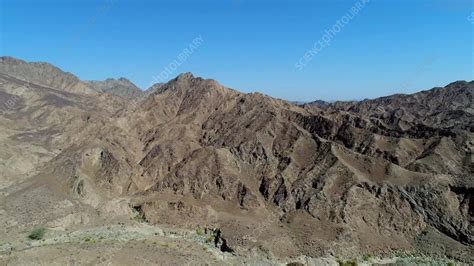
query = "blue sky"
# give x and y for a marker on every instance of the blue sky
(390, 46)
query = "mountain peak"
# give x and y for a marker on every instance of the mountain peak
(185, 76)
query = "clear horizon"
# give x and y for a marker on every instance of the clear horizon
(298, 51)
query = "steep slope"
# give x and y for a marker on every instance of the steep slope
(37, 122)
(154, 88)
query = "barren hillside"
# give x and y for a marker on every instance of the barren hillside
(272, 179)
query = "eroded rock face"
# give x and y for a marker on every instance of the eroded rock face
(362, 177)
(334, 178)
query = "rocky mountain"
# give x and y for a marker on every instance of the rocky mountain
(120, 87)
(155, 87)
(449, 107)
(260, 177)
(44, 74)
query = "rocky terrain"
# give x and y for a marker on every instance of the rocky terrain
(237, 178)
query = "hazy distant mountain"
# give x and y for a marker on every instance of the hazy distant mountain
(43, 74)
(272, 179)
(120, 87)
(449, 107)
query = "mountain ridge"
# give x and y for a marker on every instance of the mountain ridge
(342, 179)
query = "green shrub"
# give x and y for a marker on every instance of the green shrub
(200, 231)
(139, 218)
(90, 240)
(37, 234)
(347, 263)
(210, 239)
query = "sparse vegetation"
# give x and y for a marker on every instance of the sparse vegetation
(138, 215)
(37, 234)
(200, 231)
(90, 240)
(210, 239)
(5, 248)
(139, 218)
(347, 263)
